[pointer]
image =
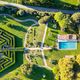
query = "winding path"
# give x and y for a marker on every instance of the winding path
(26, 20)
(33, 8)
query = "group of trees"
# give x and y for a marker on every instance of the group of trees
(67, 21)
(62, 20)
(66, 68)
(38, 2)
(69, 68)
(76, 20)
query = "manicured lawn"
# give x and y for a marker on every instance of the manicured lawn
(18, 29)
(26, 16)
(51, 36)
(73, 2)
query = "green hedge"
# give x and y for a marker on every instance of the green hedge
(8, 57)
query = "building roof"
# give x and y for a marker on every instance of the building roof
(67, 37)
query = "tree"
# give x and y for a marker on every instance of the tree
(78, 76)
(55, 70)
(62, 20)
(78, 59)
(64, 24)
(66, 68)
(59, 16)
(20, 12)
(26, 68)
(43, 20)
(76, 20)
(69, 68)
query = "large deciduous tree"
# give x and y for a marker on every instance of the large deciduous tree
(76, 20)
(66, 68)
(62, 20)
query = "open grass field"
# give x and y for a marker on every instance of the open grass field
(72, 2)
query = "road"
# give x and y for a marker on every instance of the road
(38, 8)
(53, 10)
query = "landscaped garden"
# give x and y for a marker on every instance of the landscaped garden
(35, 35)
(29, 39)
(7, 58)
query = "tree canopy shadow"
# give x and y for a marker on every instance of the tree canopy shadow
(39, 73)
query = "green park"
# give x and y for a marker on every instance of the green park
(39, 39)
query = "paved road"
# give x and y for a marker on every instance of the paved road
(38, 8)
(53, 10)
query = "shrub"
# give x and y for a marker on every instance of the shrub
(43, 20)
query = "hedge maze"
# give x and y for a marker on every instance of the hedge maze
(7, 57)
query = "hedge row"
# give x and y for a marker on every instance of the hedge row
(7, 58)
